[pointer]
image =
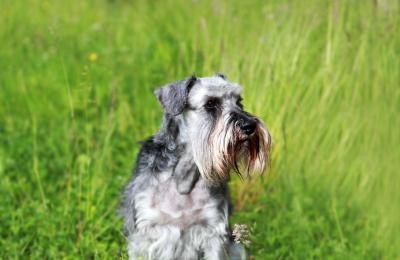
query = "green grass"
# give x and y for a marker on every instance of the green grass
(323, 75)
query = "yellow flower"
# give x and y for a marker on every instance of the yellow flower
(93, 56)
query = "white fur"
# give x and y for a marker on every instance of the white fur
(170, 225)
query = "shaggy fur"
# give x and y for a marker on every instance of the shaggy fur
(177, 204)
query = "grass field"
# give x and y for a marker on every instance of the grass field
(76, 82)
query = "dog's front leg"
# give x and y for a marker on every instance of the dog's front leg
(215, 250)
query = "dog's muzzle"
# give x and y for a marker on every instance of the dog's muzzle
(241, 138)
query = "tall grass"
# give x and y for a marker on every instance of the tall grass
(76, 81)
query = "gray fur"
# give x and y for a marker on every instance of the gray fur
(173, 97)
(185, 174)
(171, 210)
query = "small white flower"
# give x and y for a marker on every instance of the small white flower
(240, 234)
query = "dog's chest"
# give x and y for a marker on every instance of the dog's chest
(167, 206)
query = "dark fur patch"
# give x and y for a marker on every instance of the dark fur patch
(221, 75)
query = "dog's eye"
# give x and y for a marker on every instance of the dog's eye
(212, 103)
(239, 102)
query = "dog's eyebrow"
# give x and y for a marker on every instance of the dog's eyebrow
(231, 95)
(206, 97)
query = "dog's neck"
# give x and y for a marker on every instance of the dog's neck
(169, 133)
(177, 145)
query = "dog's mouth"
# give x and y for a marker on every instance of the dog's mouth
(243, 150)
(245, 138)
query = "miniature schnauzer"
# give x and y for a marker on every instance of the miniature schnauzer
(177, 204)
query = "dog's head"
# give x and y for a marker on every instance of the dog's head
(212, 121)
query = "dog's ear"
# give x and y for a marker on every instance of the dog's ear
(173, 97)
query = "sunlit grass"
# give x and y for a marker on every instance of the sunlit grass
(76, 82)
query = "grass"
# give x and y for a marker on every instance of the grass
(76, 81)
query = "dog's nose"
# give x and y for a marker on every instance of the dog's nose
(248, 126)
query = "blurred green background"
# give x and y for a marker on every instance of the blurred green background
(76, 82)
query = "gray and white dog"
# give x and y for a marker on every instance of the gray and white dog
(177, 204)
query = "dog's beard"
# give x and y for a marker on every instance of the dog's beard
(225, 148)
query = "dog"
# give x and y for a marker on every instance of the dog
(177, 205)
